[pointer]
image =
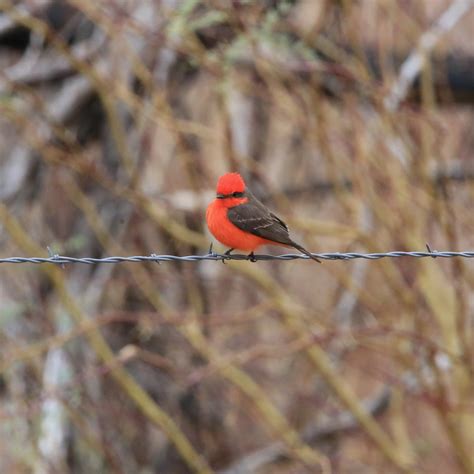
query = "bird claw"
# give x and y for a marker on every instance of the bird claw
(251, 257)
(227, 254)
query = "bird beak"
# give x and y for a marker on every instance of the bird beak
(220, 196)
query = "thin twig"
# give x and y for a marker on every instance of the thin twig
(312, 433)
(413, 65)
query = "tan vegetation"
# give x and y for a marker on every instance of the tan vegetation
(116, 119)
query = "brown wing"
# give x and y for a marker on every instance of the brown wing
(255, 218)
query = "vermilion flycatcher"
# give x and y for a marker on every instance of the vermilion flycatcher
(237, 219)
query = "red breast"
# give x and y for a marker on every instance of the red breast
(226, 232)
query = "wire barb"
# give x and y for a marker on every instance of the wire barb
(430, 251)
(54, 256)
(153, 255)
(62, 259)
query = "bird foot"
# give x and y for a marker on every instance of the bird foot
(227, 253)
(251, 257)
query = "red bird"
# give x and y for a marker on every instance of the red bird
(237, 219)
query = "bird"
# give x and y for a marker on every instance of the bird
(237, 219)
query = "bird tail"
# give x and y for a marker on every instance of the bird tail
(303, 250)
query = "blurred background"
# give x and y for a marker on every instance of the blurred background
(352, 120)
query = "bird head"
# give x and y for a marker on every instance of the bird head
(231, 189)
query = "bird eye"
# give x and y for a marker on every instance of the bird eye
(237, 194)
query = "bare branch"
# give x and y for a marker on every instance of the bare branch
(312, 433)
(428, 40)
(51, 65)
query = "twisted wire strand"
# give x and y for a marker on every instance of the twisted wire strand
(61, 259)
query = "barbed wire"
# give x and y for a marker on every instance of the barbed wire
(62, 259)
